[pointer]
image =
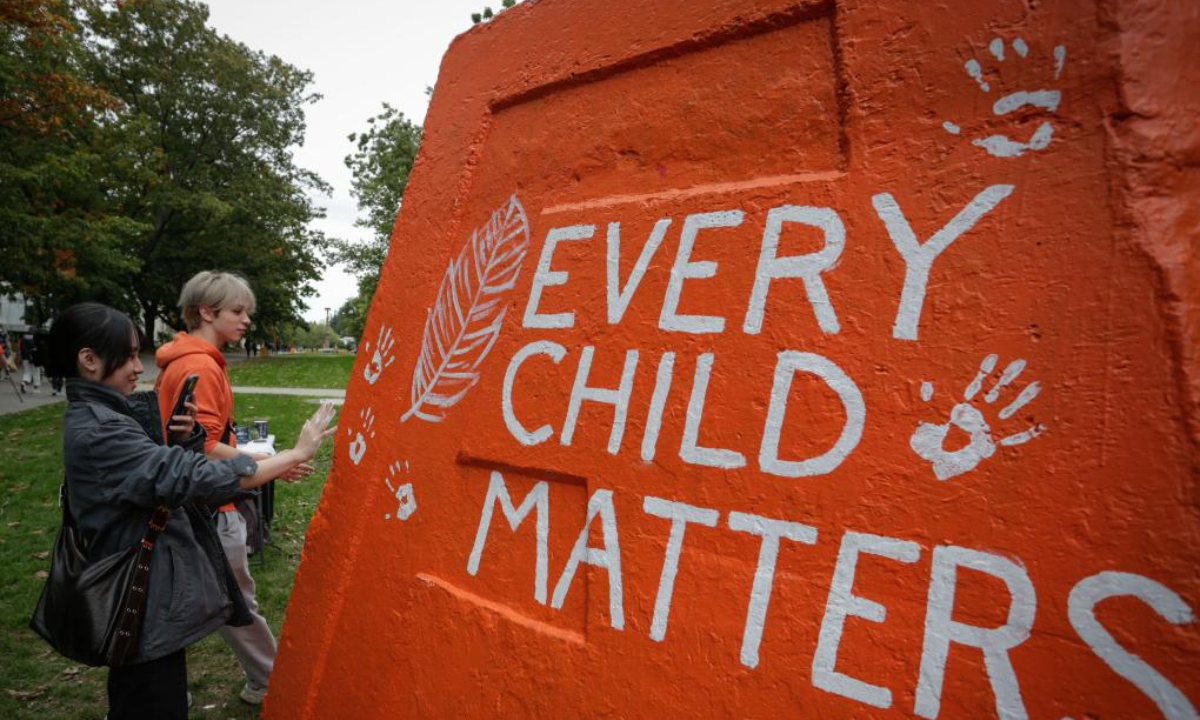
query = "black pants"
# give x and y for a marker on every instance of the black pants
(155, 690)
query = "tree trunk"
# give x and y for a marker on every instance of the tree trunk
(150, 318)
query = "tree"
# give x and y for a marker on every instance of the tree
(206, 130)
(58, 237)
(383, 158)
(487, 13)
(352, 315)
(380, 166)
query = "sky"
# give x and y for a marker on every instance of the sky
(362, 54)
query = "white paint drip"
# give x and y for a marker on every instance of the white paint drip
(1060, 59)
(1021, 48)
(951, 128)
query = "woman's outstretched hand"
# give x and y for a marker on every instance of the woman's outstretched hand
(315, 430)
(292, 464)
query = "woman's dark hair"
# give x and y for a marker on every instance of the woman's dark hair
(107, 331)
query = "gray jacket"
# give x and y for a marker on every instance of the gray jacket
(117, 472)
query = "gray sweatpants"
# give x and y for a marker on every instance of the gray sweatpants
(254, 645)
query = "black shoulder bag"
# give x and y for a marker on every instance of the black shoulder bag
(91, 612)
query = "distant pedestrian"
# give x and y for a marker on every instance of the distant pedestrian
(31, 364)
(42, 341)
(6, 355)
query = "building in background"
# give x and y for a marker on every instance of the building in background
(13, 311)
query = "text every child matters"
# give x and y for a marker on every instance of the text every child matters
(941, 628)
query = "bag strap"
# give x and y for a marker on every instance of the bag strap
(133, 603)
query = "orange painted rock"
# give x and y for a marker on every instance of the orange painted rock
(778, 359)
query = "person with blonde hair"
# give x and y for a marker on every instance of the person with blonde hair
(216, 308)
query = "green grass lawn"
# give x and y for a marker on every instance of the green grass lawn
(301, 371)
(37, 683)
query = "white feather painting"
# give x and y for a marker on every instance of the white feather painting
(466, 317)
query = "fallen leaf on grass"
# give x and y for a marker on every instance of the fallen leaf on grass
(42, 574)
(27, 694)
(42, 555)
(13, 524)
(73, 671)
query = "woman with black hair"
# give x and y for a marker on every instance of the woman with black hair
(118, 470)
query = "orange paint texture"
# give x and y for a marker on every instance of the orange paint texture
(778, 359)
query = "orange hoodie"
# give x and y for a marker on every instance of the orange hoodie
(190, 355)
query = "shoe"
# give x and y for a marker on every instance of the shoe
(252, 694)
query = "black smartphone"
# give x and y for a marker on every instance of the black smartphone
(185, 396)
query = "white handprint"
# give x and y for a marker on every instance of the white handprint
(928, 440)
(1000, 145)
(406, 501)
(383, 355)
(358, 446)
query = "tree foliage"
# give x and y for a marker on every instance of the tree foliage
(380, 165)
(58, 237)
(215, 181)
(487, 13)
(138, 146)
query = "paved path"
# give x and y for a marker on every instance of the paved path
(10, 404)
(331, 393)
